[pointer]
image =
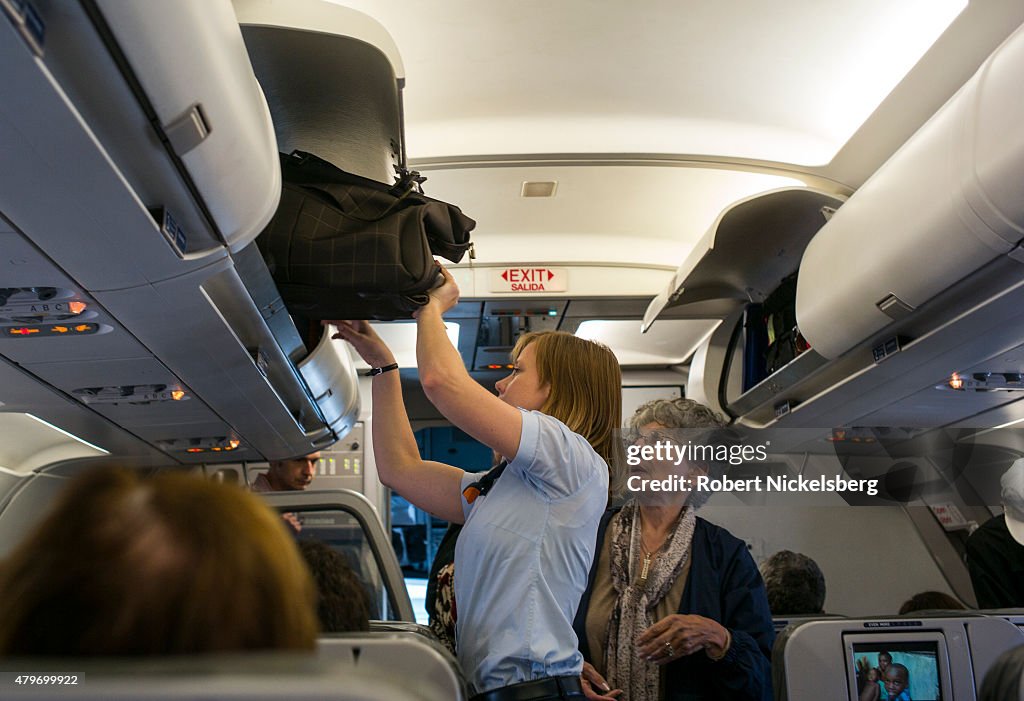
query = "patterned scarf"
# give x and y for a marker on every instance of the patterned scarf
(634, 606)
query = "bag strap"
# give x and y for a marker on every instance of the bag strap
(409, 181)
(365, 220)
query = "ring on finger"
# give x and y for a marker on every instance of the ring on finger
(670, 650)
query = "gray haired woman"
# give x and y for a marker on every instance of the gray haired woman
(675, 607)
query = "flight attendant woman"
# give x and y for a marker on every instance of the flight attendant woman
(522, 558)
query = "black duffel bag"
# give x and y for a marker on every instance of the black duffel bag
(785, 342)
(341, 246)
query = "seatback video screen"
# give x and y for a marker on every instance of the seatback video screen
(897, 671)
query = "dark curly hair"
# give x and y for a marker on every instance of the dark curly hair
(931, 601)
(795, 584)
(342, 604)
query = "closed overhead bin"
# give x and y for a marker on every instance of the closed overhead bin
(945, 205)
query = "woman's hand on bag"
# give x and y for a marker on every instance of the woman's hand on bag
(365, 340)
(593, 683)
(679, 635)
(444, 296)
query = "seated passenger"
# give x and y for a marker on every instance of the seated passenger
(795, 584)
(1004, 678)
(675, 607)
(292, 475)
(173, 564)
(931, 601)
(341, 598)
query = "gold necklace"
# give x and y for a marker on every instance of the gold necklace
(646, 566)
(648, 555)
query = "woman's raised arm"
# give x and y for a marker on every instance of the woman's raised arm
(449, 386)
(431, 486)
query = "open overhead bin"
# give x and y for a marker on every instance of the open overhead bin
(140, 174)
(918, 279)
(751, 247)
(333, 78)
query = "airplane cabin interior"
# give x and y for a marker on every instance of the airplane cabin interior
(653, 176)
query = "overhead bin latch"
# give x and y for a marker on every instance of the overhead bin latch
(894, 307)
(187, 131)
(1017, 253)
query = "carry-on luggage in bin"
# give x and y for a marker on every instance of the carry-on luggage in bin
(346, 247)
(784, 339)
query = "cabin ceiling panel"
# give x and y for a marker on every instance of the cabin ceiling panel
(644, 215)
(728, 78)
(23, 265)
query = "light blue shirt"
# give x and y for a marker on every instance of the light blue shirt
(522, 559)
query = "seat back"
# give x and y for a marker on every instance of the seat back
(946, 656)
(411, 658)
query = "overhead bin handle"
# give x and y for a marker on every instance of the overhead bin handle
(325, 441)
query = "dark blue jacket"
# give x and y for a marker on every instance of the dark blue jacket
(725, 586)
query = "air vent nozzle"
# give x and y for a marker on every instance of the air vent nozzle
(539, 188)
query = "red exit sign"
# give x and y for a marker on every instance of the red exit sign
(529, 279)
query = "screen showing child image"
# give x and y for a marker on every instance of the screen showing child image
(903, 671)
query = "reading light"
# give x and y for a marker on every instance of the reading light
(985, 382)
(129, 394)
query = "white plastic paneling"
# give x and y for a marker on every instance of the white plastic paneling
(235, 167)
(944, 205)
(321, 16)
(63, 191)
(330, 373)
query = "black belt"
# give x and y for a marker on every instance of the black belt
(536, 690)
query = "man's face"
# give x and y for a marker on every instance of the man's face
(895, 680)
(295, 474)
